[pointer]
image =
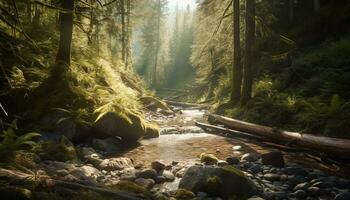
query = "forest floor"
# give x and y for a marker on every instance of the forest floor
(156, 168)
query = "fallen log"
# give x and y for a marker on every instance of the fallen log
(187, 105)
(334, 147)
(28, 180)
(222, 130)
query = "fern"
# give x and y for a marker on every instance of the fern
(11, 143)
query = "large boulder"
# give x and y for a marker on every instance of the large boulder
(130, 127)
(226, 182)
(63, 150)
(110, 145)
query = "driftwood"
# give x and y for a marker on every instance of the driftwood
(339, 148)
(23, 179)
(187, 105)
(222, 130)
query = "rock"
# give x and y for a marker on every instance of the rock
(152, 131)
(190, 129)
(128, 177)
(343, 196)
(272, 177)
(343, 183)
(276, 195)
(160, 196)
(160, 179)
(222, 163)
(182, 194)
(168, 176)
(256, 198)
(295, 171)
(314, 191)
(226, 182)
(158, 166)
(301, 186)
(147, 173)
(300, 194)
(232, 160)
(130, 127)
(208, 159)
(62, 172)
(249, 157)
(116, 164)
(62, 151)
(145, 182)
(274, 158)
(90, 156)
(66, 125)
(255, 169)
(110, 145)
(322, 184)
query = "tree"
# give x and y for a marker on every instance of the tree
(317, 6)
(237, 69)
(159, 13)
(249, 51)
(66, 31)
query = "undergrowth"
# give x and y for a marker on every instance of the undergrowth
(310, 95)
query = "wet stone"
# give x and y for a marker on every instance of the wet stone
(271, 177)
(232, 160)
(147, 174)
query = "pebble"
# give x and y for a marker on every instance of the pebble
(232, 160)
(271, 177)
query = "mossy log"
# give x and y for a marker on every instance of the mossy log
(23, 179)
(334, 147)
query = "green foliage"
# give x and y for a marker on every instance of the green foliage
(12, 143)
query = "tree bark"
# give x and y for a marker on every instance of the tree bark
(237, 69)
(154, 80)
(66, 31)
(339, 148)
(317, 6)
(291, 10)
(122, 10)
(249, 51)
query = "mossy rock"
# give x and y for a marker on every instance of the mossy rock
(62, 151)
(130, 127)
(183, 194)
(154, 103)
(152, 131)
(226, 182)
(208, 159)
(130, 187)
(15, 193)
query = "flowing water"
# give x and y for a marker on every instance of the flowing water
(183, 147)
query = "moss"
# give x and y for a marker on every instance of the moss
(182, 194)
(131, 187)
(154, 103)
(208, 159)
(152, 131)
(213, 185)
(62, 151)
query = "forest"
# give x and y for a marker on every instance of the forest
(174, 99)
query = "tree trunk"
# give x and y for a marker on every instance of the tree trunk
(249, 51)
(122, 10)
(157, 47)
(291, 10)
(29, 11)
(339, 148)
(128, 34)
(66, 31)
(317, 6)
(237, 69)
